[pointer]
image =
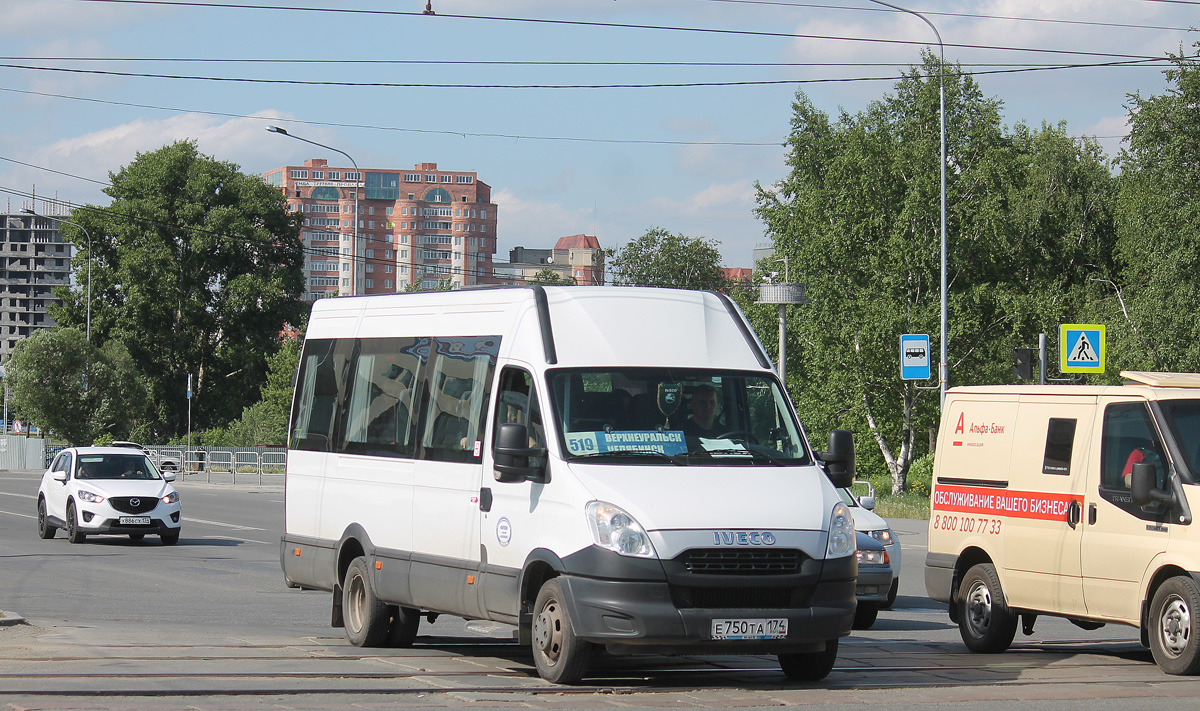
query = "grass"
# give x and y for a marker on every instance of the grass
(906, 505)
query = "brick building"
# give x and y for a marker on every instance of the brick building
(418, 227)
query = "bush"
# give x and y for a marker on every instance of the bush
(920, 476)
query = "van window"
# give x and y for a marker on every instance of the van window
(319, 385)
(455, 395)
(1129, 438)
(517, 402)
(691, 416)
(1060, 440)
(1183, 421)
(378, 414)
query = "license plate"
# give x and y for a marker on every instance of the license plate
(134, 521)
(771, 628)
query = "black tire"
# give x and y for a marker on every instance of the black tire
(891, 598)
(560, 656)
(366, 617)
(74, 535)
(809, 666)
(45, 530)
(865, 615)
(136, 536)
(985, 623)
(1175, 626)
(402, 628)
(167, 539)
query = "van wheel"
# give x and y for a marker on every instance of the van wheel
(1175, 626)
(402, 629)
(366, 617)
(560, 656)
(74, 535)
(809, 666)
(984, 620)
(45, 530)
(865, 615)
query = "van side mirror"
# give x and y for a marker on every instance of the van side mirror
(1143, 485)
(839, 460)
(510, 458)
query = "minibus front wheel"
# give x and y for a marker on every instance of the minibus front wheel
(1174, 626)
(560, 656)
(809, 666)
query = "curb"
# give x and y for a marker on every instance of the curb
(10, 618)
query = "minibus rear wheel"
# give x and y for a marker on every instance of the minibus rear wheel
(809, 666)
(984, 620)
(402, 630)
(366, 617)
(1175, 626)
(560, 656)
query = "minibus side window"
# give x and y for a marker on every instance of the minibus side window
(319, 386)
(1129, 438)
(518, 403)
(455, 394)
(378, 414)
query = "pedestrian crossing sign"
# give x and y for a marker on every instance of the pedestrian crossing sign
(1081, 348)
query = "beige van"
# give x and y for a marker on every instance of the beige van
(1072, 501)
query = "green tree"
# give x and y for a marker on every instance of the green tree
(548, 277)
(196, 267)
(1151, 306)
(74, 391)
(264, 422)
(659, 258)
(858, 219)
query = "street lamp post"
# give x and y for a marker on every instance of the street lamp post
(943, 365)
(358, 173)
(89, 265)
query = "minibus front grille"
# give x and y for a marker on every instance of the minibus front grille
(738, 598)
(716, 561)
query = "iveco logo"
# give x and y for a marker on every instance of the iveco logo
(135, 502)
(743, 538)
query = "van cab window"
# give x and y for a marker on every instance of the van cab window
(517, 403)
(1129, 438)
(674, 416)
(1183, 421)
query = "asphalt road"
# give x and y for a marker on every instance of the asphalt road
(209, 624)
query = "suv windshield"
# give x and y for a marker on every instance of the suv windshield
(115, 466)
(675, 416)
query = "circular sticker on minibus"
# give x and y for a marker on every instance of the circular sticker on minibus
(503, 531)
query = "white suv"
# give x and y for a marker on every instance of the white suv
(107, 490)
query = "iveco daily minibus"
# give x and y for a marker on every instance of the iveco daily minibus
(600, 467)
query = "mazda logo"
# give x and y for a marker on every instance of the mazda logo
(135, 502)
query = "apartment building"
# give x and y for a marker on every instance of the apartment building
(33, 260)
(384, 231)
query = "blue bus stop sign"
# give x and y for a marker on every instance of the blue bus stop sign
(914, 357)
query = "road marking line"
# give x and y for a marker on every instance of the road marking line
(223, 524)
(247, 540)
(23, 496)
(14, 513)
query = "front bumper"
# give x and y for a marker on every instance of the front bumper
(674, 615)
(104, 519)
(874, 583)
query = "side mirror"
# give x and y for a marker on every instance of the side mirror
(1143, 486)
(168, 476)
(867, 502)
(58, 475)
(839, 460)
(510, 458)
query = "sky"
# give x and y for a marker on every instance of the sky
(603, 117)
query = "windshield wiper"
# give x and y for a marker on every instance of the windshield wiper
(755, 454)
(632, 453)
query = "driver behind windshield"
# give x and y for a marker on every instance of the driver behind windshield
(703, 422)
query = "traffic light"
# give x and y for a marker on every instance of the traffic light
(1023, 363)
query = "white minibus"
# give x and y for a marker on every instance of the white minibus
(600, 467)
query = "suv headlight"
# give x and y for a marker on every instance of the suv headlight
(841, 532)
(171, 497)
(883, 535)
(85, 495)
(616, 531)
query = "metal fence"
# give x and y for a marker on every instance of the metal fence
(229, 465)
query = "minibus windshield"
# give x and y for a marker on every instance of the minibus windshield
(675, 416)
(1183, 421)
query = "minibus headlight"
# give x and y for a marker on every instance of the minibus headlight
(841, 532)
(617, 531)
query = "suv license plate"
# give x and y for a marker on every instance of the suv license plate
(770, 628)
(134, 521)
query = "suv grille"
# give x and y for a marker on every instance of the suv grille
(708, 561)
(133, 504)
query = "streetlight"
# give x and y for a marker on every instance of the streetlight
(89, 268)
(943, 366)
(357, 172)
